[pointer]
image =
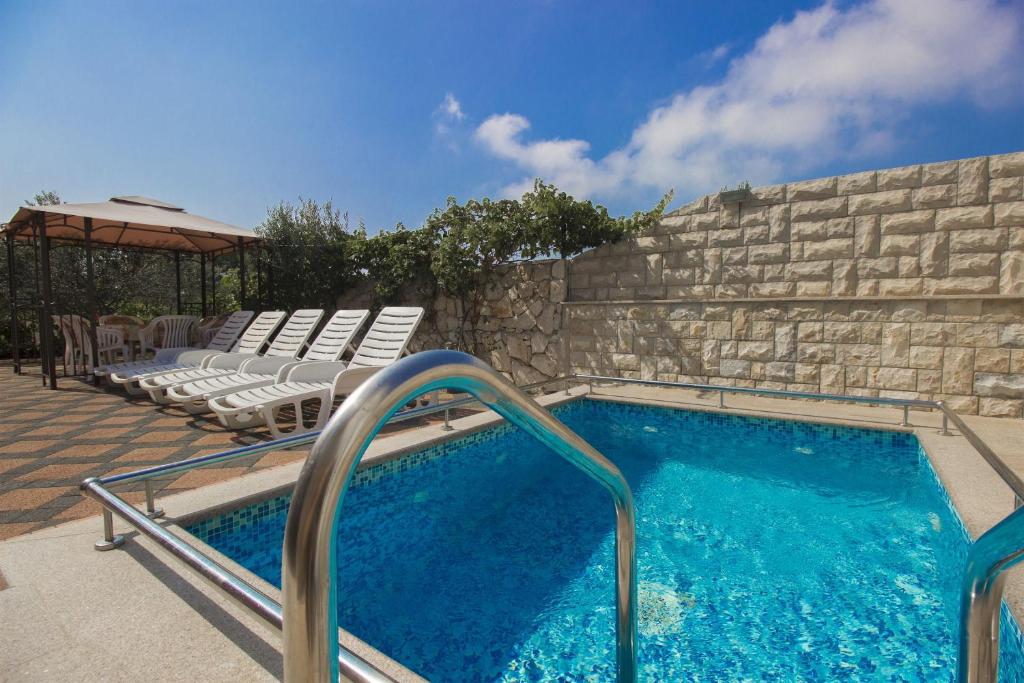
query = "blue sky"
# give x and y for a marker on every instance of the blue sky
(387, 108)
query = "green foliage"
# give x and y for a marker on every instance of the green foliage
(44, 198)
(473, 238)
(566, 226)
(309, 253)
(394, 259)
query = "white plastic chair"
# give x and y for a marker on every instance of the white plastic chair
(385, 342)
(334, 339)
(207, 327)
(289, 343)
(169, 360)
(166, 332)
(78, 349)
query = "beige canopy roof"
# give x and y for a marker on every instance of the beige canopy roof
(132, 221)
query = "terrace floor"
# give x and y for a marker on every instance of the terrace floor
(52, 440)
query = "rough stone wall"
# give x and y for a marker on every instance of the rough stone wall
(520, 323)
(906, 282)
(519, 328)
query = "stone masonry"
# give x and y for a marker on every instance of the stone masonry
(906, 282)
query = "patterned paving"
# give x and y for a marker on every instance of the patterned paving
(51, 440)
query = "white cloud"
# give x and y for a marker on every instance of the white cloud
(828, 83)
(452, 108)
(447, 118)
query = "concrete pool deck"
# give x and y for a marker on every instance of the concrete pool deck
(72, 612)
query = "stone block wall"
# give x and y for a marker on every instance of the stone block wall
(904, 282)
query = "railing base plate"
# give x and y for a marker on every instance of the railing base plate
(104, 544)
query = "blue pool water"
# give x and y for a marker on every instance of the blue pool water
(767, 550)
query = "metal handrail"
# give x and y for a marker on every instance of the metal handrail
(308, 585)
(995, 551)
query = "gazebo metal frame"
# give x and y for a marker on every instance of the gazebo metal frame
(146, 224)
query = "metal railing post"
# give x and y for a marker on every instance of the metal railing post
(447, 426)
(308, 583)
(906, 417)
(110, 539)
(152, 511)
(721, 398)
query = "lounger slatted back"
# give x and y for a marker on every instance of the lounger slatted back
(228, 333)
(258, 333)
(320, 381)
(328, 346)
(388, 337)
(292, 339)
(336, 336)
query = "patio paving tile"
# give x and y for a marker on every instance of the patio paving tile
(85, 450)
(121, 420)
(8, 464)
(103, 433)
(34, 446)
(59, 472)
(149, 455)
(210, 475)
(162, 436)
(26, 498)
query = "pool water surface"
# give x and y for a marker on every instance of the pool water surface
(766, 550)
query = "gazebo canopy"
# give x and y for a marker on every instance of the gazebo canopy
(132, 221)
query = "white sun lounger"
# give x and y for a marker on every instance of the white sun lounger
(288, 343)
(225, 338)
(252, 340)
(385, 342)
(255, 337)
(334, 339)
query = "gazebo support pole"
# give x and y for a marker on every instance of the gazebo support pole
(270, 279)
(241, 271)
(12, 281)
(259, 277)
(46, 322)
(177, 282)
(202, 282)
(90, 295)
(213, 281)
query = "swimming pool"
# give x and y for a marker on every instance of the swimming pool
(768, 550)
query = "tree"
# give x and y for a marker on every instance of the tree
(309, 250)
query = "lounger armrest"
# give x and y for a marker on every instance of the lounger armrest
(198, 357)
(315, 371)
(266, 366)
(168, 355)
(349, 380)
(231, 361)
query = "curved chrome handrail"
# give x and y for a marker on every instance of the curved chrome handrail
(990, 556)
(308, 587)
